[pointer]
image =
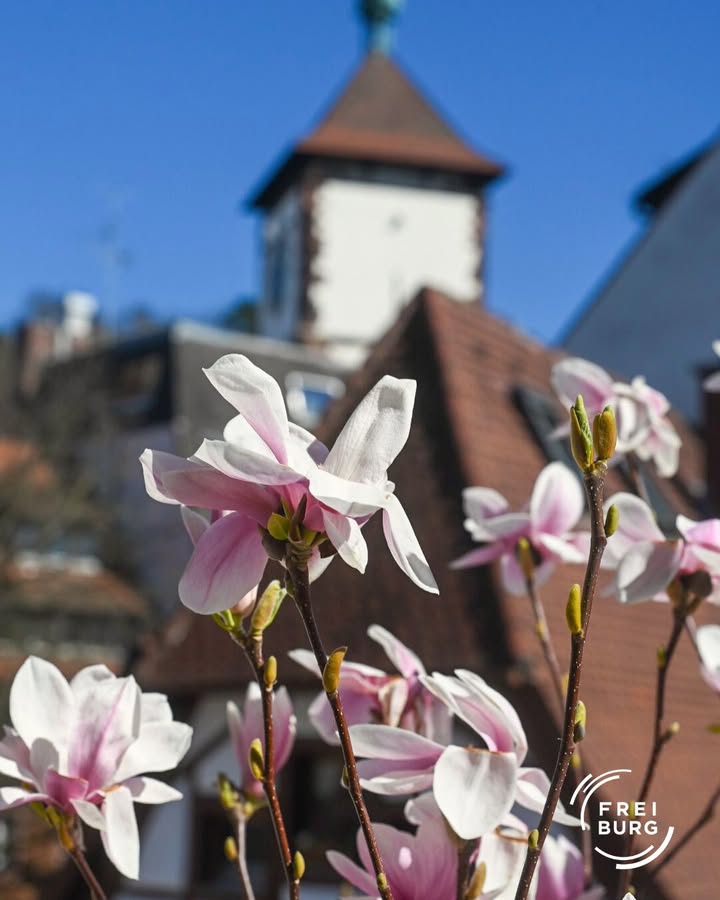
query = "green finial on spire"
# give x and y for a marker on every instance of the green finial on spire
(379, 16)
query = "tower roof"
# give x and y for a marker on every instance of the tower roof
(381, 116)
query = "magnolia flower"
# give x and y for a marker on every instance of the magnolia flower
(266, 465)
(80, 748)
(640, 411)
(369, 695)
(246, 726)
(712, 382)
(420, 866)
(646, 561)
(475, 788)
(556, 504)
(561, 874)
(707, 640)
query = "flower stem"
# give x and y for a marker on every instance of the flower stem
(78, 857)
(241, 862)
(594, 481)
(297, 570)
(541, 629)
(464, 855)
(252, 646)
(660, 734)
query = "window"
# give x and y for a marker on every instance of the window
(309, 394)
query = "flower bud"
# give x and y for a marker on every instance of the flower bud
(278, 526)
(573, 610)
(382, 882)
(612, 520)
(580, 722)
(270, 671)
(661, 654)
(671, 731)
(257, 759)
(345, 778)
(267, 608)
(477, 882)
(524, 554)
(605, 434)
(231, 850)
(331, 672)
(228, 794)
(298, 864)
(533, 839)
(581, 442)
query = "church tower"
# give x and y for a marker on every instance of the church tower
(380, 198)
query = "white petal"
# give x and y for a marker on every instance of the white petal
(637, 524)
(533, 786)
(557, 500)
(647, 569)
(384, 742)
(254, 394)
(474, 789)
(120, 837)
(351, 498)
(574, 376)
(10, 797)
(404, 660)
(375, 433)
(42, 705)
(150, 790)
(404, 546)
(480, 503)
(90, 814)
(346, 537)
(159, 748)
(247, 465)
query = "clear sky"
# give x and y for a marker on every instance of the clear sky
(134, 130)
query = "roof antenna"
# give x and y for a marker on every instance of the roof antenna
(378, 17)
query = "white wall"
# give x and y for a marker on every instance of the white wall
(660, 311)
(380, 243)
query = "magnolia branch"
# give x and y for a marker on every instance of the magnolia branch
(661, 735)
(594, 479)
(705, 817)
(78, 857)
(252, 646)
(298, 572)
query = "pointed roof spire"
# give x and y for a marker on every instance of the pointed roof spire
(378, 17)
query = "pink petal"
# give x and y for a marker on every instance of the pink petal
(512, 576)
(63, 789)
(480, 557)
(10, 797)
(474, 789)
(574, 376)
(172, 479)
(375, 433)
(404, 660)
(256, 396)
(352, 872)
(108, 723)
(557, 501)
(284, 727)
(647, 569)
(561, 875)
(239, 462)
(195, 524)
(229, 560)
(399, 859)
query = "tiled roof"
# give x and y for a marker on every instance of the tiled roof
(468, 429)
(381, 116)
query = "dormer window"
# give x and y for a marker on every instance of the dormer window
(308, 395)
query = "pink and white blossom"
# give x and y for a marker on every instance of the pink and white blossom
(265, 461)
(475, 788)
(555, 507)
(707, 640)
(370, 695)
(80, 748)
(640, 411)
(247, 725)
(561, 873)
(420, 866)
(646, 561)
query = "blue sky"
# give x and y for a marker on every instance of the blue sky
(157, 118)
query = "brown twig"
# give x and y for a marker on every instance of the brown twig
(464, 854)
(253, 649)
(594, 481)
(703, 819)
(78, 857)
(298, 573)
(660, 734)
